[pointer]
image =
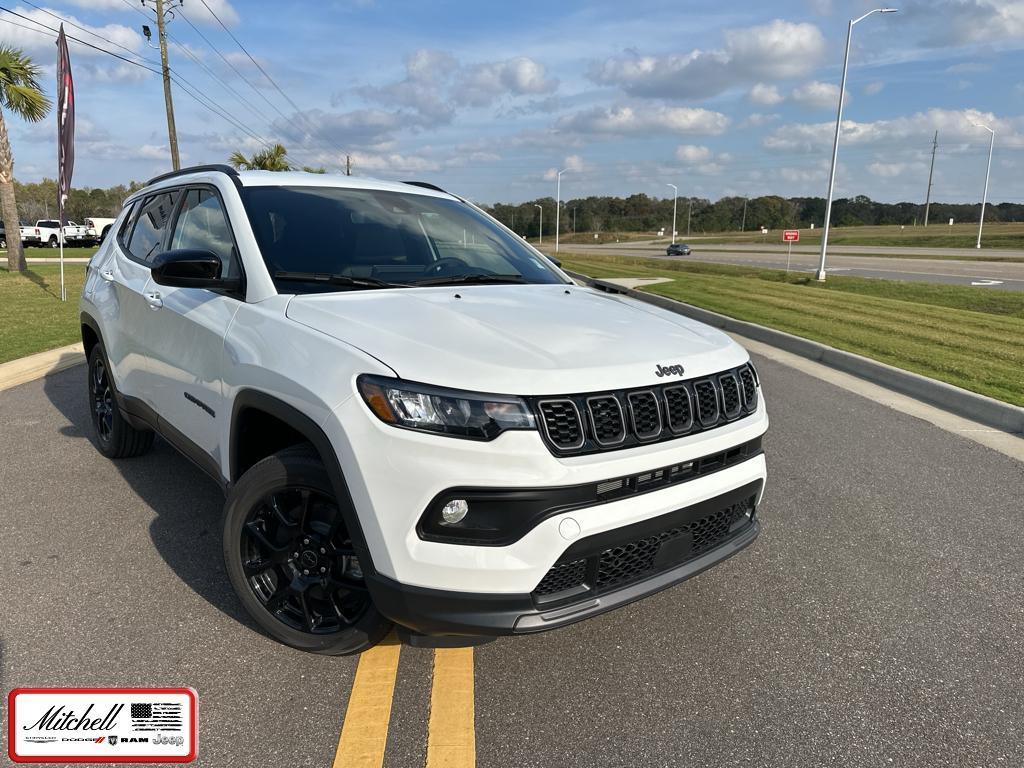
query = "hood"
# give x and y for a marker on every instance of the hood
(518, 339)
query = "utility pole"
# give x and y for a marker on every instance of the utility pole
(172, 133)
(348, 165)
(743, 222)
(928, 197)
(689, 207)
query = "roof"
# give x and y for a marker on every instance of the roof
(294, 179)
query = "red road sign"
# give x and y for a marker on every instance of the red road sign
(791, 235)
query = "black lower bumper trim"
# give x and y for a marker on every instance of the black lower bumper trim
(444, 612)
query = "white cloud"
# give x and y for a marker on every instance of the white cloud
(483, 84)
(968, 68)
(767, 95)
(573, 163)
(816, 95)
(917, 129)
(871, 89)
(950, 23)
(358, 128)
(692, 153)
(773, 51)
(625, 120)
(392, 162)
(756, 119)
(426, 74)
(891, 170)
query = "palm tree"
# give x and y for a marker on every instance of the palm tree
(21, 95)
(273, 159)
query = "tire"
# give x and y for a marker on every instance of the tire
(3, 244)
(291, 560)
(115, 437)
(52, 242)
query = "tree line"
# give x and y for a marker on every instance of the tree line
(643, 213)
(636, 213)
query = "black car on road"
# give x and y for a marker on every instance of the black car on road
(678, 249)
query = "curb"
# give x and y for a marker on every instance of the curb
(26, 369)
(962, 402)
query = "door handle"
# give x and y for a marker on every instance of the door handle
(154, 300)
(108, 275)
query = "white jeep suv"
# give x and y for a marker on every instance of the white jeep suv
(417, 418)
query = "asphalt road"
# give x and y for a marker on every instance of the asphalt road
(991, 274)
(877, 621)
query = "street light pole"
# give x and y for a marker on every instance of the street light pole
(675, 201)
(540, 239)
(574, 220)
(835, 141)
(558, 204)
(988, 171)
(689, 207)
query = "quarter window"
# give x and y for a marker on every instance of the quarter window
(150, 223)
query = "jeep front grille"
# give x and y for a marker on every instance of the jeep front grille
(580, 424)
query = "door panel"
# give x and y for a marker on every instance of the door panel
(186, 343)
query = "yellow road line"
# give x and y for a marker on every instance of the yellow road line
(451, 737)
(365, 732)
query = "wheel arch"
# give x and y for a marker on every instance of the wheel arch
(262, 424)
(91, 335)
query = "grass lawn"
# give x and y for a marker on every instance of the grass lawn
(969, 337)
(32, 316)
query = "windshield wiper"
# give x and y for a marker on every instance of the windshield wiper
(476, 277)
(332, 279)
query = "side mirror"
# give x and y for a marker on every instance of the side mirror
(191, 268)
(556, 262)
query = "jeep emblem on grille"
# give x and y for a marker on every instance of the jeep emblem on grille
(668, 370)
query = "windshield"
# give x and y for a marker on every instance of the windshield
(329, 239)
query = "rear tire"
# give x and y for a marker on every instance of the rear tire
(115, 437)
(52, 242)
(291, 560)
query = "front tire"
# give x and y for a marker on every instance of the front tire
(115, 437)
(291, 559)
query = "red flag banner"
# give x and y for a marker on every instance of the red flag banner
(65, 124)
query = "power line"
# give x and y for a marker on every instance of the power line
(88, 31)
(299, 113)
(194, 92)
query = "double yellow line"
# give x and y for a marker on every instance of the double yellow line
(451, 738)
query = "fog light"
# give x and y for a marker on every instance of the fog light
(454, 511)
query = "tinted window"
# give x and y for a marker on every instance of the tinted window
(203, 225)
(126, 223)
(392, 236)
(150, 223)
(49, 224)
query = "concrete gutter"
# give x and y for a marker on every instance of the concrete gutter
(962, 402)
(36, 366)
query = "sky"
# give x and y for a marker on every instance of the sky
(489, 99)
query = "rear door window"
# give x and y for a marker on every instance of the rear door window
(148, 235)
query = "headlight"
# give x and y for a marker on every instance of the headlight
(448, 411)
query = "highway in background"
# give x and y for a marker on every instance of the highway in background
(992, 274)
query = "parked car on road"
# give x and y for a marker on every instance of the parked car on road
(48, 231)
(416, 417)
(678, 249)
(96, 229)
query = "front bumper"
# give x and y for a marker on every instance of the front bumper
(667, 559)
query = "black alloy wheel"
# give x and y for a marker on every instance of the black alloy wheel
(300, 563)
(291, 558)
(101, 397)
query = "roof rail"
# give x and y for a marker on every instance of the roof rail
(427, 185)
(218, 167)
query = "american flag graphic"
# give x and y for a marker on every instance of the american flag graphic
(157, 716)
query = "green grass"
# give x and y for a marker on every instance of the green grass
(937, 235)
(965, 336)
(32, 316)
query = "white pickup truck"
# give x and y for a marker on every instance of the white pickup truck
(96, 229)
(29, 234)
(48, 232)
